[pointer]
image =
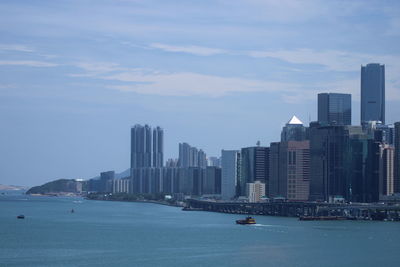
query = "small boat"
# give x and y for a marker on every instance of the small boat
(248, 220)
(21, 217)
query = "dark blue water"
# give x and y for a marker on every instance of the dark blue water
(103, 233)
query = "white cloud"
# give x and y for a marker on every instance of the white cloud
(16, 47)
(190, 49)
(330, 59)
(28, 63)
(187, 83)
(95, 68)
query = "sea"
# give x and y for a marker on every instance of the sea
(105, 233)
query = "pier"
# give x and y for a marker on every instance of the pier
(359, 211)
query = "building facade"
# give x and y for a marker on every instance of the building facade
(191, 156)
(294, 130)
(373, 93)
(254, 163)
(386, 173)
(158, 147)
(290, 170)
(396, 157)
(230, 159)
(334, 109)
(141, 142)
(255, 191)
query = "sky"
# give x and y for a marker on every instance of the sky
(76, 75)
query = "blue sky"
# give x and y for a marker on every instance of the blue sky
(76, 75)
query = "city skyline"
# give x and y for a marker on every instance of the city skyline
(79, 77)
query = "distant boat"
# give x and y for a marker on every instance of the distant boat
(21, 217)
(248, 220)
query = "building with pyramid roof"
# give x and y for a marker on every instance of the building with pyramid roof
(294, 120)
(294, 130)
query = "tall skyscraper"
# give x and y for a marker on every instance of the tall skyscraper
(294, 130)
(190, 156)
(290, 170)
(141, 146)
(184, 155)
(158, 147)
(229, 161)
(334, 109)
(254, 166)
(344, 161)
(327, 161)
(214, 161)
(396, 164)
(202, 159)
(386, 160)
(212, 181)
(373, 93)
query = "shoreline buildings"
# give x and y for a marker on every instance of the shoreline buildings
(331, 160)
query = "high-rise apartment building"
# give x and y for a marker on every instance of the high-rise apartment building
(191, 157)
(212, 181)
(158, 147)
(141, 142)
(147, 146)
(373, 93)
(396, 157)
(214, 161)
(334, 109)
(230, 159)
(202, 159)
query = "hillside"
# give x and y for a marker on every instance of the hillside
(57, 186)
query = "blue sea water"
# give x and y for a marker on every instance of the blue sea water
(101, 233)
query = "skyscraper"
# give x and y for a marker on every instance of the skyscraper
(386, 160)
(373, 93)
(190, 156)
(344, 162)
(158, 147)
(141, 146)
(184, 155)
(290, 170)
(334, 109)
(293, 130)
(229, 161)
(396, 164)
(254, 166)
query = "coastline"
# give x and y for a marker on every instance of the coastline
(140, 201)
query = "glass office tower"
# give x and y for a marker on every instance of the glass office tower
(373, 93)
(334, 109)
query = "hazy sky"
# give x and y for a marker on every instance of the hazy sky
(76, 75)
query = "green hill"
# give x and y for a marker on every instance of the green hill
(61, 185)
